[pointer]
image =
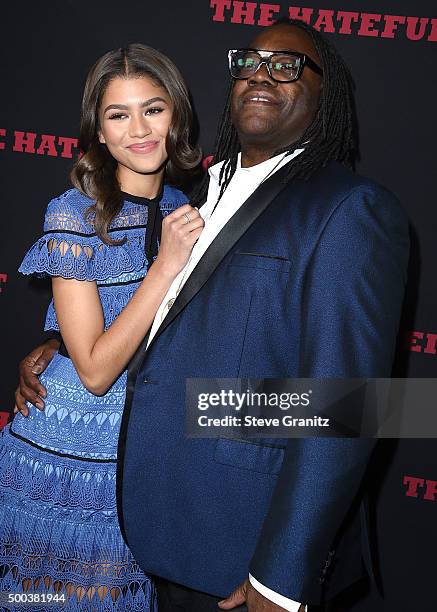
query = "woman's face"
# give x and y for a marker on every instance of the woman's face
(135, 116)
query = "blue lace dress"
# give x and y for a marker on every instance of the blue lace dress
(59, 532)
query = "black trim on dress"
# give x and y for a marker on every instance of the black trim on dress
(53, 452)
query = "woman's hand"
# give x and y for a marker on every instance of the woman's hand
(180, 231)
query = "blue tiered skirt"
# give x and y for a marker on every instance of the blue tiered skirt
(59, 533)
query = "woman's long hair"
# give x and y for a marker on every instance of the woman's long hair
(94, 174)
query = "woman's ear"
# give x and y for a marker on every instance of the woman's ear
(101, 137)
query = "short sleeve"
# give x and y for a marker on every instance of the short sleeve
(70, 248)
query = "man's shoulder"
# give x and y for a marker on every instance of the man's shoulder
(341, 195)
(335, 193)
(341, 179)
(335, 183)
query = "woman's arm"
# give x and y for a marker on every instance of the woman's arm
(100, 356)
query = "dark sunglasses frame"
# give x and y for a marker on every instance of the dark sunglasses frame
(304, 61)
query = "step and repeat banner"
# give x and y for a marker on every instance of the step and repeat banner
(47, 48)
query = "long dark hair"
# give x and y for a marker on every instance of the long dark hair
(331, 136)
(95, 172)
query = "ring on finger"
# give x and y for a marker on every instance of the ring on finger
(187, 217)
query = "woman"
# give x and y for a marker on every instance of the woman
(59, 535)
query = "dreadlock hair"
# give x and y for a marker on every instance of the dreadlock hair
(332, 136)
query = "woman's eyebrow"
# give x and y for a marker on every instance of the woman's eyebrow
(142, 104)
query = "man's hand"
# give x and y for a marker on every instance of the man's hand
(255, 602)
(30, 388)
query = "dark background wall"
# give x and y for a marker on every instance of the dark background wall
(46, 50)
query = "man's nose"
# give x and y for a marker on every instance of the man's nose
(139, 127)
(261, 76)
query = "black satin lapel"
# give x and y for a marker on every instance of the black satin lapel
(224, 241)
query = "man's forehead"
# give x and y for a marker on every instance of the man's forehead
(284, 37)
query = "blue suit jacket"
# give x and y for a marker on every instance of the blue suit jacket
(306, 280)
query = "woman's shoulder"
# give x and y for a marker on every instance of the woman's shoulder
(68, 212)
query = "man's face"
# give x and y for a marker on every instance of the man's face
(285, 110)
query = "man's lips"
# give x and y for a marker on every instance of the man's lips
(259, 97)
(143, 147)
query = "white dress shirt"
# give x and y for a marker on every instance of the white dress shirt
(242, 185)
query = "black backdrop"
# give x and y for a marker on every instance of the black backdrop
(47, 48)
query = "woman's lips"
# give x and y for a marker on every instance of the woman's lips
(143, 147)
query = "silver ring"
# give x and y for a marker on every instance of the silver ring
(187, 217)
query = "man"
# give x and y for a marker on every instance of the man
(300, 272)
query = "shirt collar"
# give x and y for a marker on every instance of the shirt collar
(258, 170)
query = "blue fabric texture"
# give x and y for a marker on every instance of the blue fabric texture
(59, 531)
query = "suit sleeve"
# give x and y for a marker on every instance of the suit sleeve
(352, 297)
